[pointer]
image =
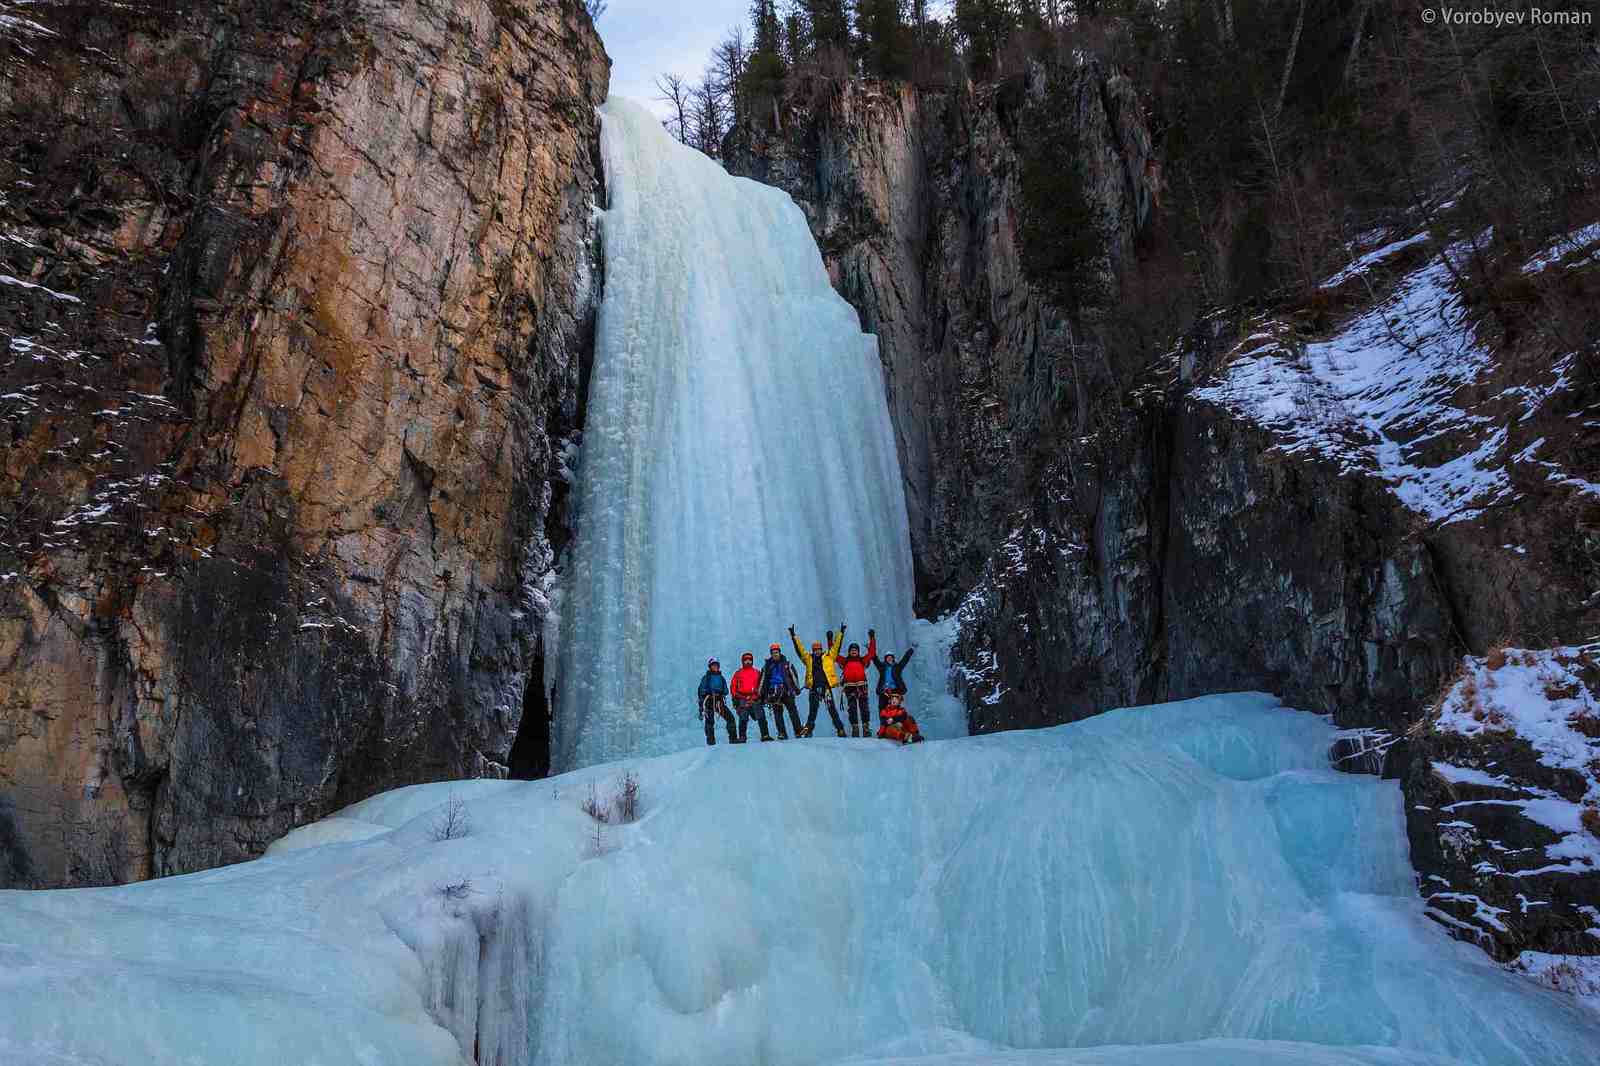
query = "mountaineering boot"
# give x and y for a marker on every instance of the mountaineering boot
(855, 730)
(765, 739)
(839, 729)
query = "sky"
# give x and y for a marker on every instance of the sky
(650, 37)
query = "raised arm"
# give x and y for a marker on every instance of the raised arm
(799, 648)
(907, 656)
(872, 644)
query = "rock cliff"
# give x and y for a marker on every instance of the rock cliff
(1333, 501)
(294, 300)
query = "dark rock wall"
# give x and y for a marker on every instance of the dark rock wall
(1116, 546)
(297, 306)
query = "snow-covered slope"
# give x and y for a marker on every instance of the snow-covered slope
(1189, 875)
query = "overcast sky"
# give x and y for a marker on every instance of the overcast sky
(649, 37)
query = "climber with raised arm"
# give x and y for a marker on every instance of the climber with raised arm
(780, 684)
(891, 679)
(822, 677)
(714, 701)
(747, 697)
(853, 672)
(897, 724)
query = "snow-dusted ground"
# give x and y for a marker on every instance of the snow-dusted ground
(1540, 697)
(1379, 394)
(1191, 876)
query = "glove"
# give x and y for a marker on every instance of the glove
(872, 634)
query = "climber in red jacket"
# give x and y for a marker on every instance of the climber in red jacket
(746, 686)
(853, 673)
(897, 723)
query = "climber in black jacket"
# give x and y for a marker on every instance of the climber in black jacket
(890, 679)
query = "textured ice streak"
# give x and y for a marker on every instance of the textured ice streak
(738, 470)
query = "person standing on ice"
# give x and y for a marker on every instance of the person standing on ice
(891, 681)
(853, 668)
(780, 684)
(747, 697)
(822, 677)
(897, 723)
(714, 701)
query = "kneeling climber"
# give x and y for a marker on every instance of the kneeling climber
(853, 668)
(714, 702)
(822, 675)
(780, 684)
(747, 697)
(897, 723)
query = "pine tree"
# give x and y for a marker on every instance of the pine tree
(830, 23)
(985, 25)
(765, 72)
(885, 38)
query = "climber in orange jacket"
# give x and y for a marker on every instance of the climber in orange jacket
(853, 671)
(897, 723)
(822, 677)
(746, 686)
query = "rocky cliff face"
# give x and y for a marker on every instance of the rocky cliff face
(1333, 503)
(294, 301)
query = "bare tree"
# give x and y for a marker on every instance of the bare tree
(452, 821)
(1288, 60)
(728, 61)
(676, 93)
(709, 116)
(1355, 41)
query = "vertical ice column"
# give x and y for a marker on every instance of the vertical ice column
(738, 471)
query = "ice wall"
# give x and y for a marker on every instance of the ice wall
(738, 470)
(1179, 884)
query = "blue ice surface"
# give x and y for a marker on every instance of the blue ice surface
(1179, 884)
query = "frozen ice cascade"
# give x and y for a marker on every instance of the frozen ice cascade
(1180, 884)
(738, 471)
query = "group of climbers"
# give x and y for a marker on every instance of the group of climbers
(779, 681)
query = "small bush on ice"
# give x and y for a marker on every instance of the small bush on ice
(600, 812)
(623, 804)
(453, 821)
(1591, 820)
(627, 798)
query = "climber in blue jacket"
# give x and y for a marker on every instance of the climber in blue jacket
(714, 701)
(780, 684)
(890, 679)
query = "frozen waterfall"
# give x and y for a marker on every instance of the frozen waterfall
(738, 470)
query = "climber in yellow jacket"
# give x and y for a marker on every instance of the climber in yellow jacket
(822, 676)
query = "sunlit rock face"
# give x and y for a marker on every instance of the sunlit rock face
(298, 302)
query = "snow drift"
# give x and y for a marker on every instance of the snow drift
(1190, 876)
